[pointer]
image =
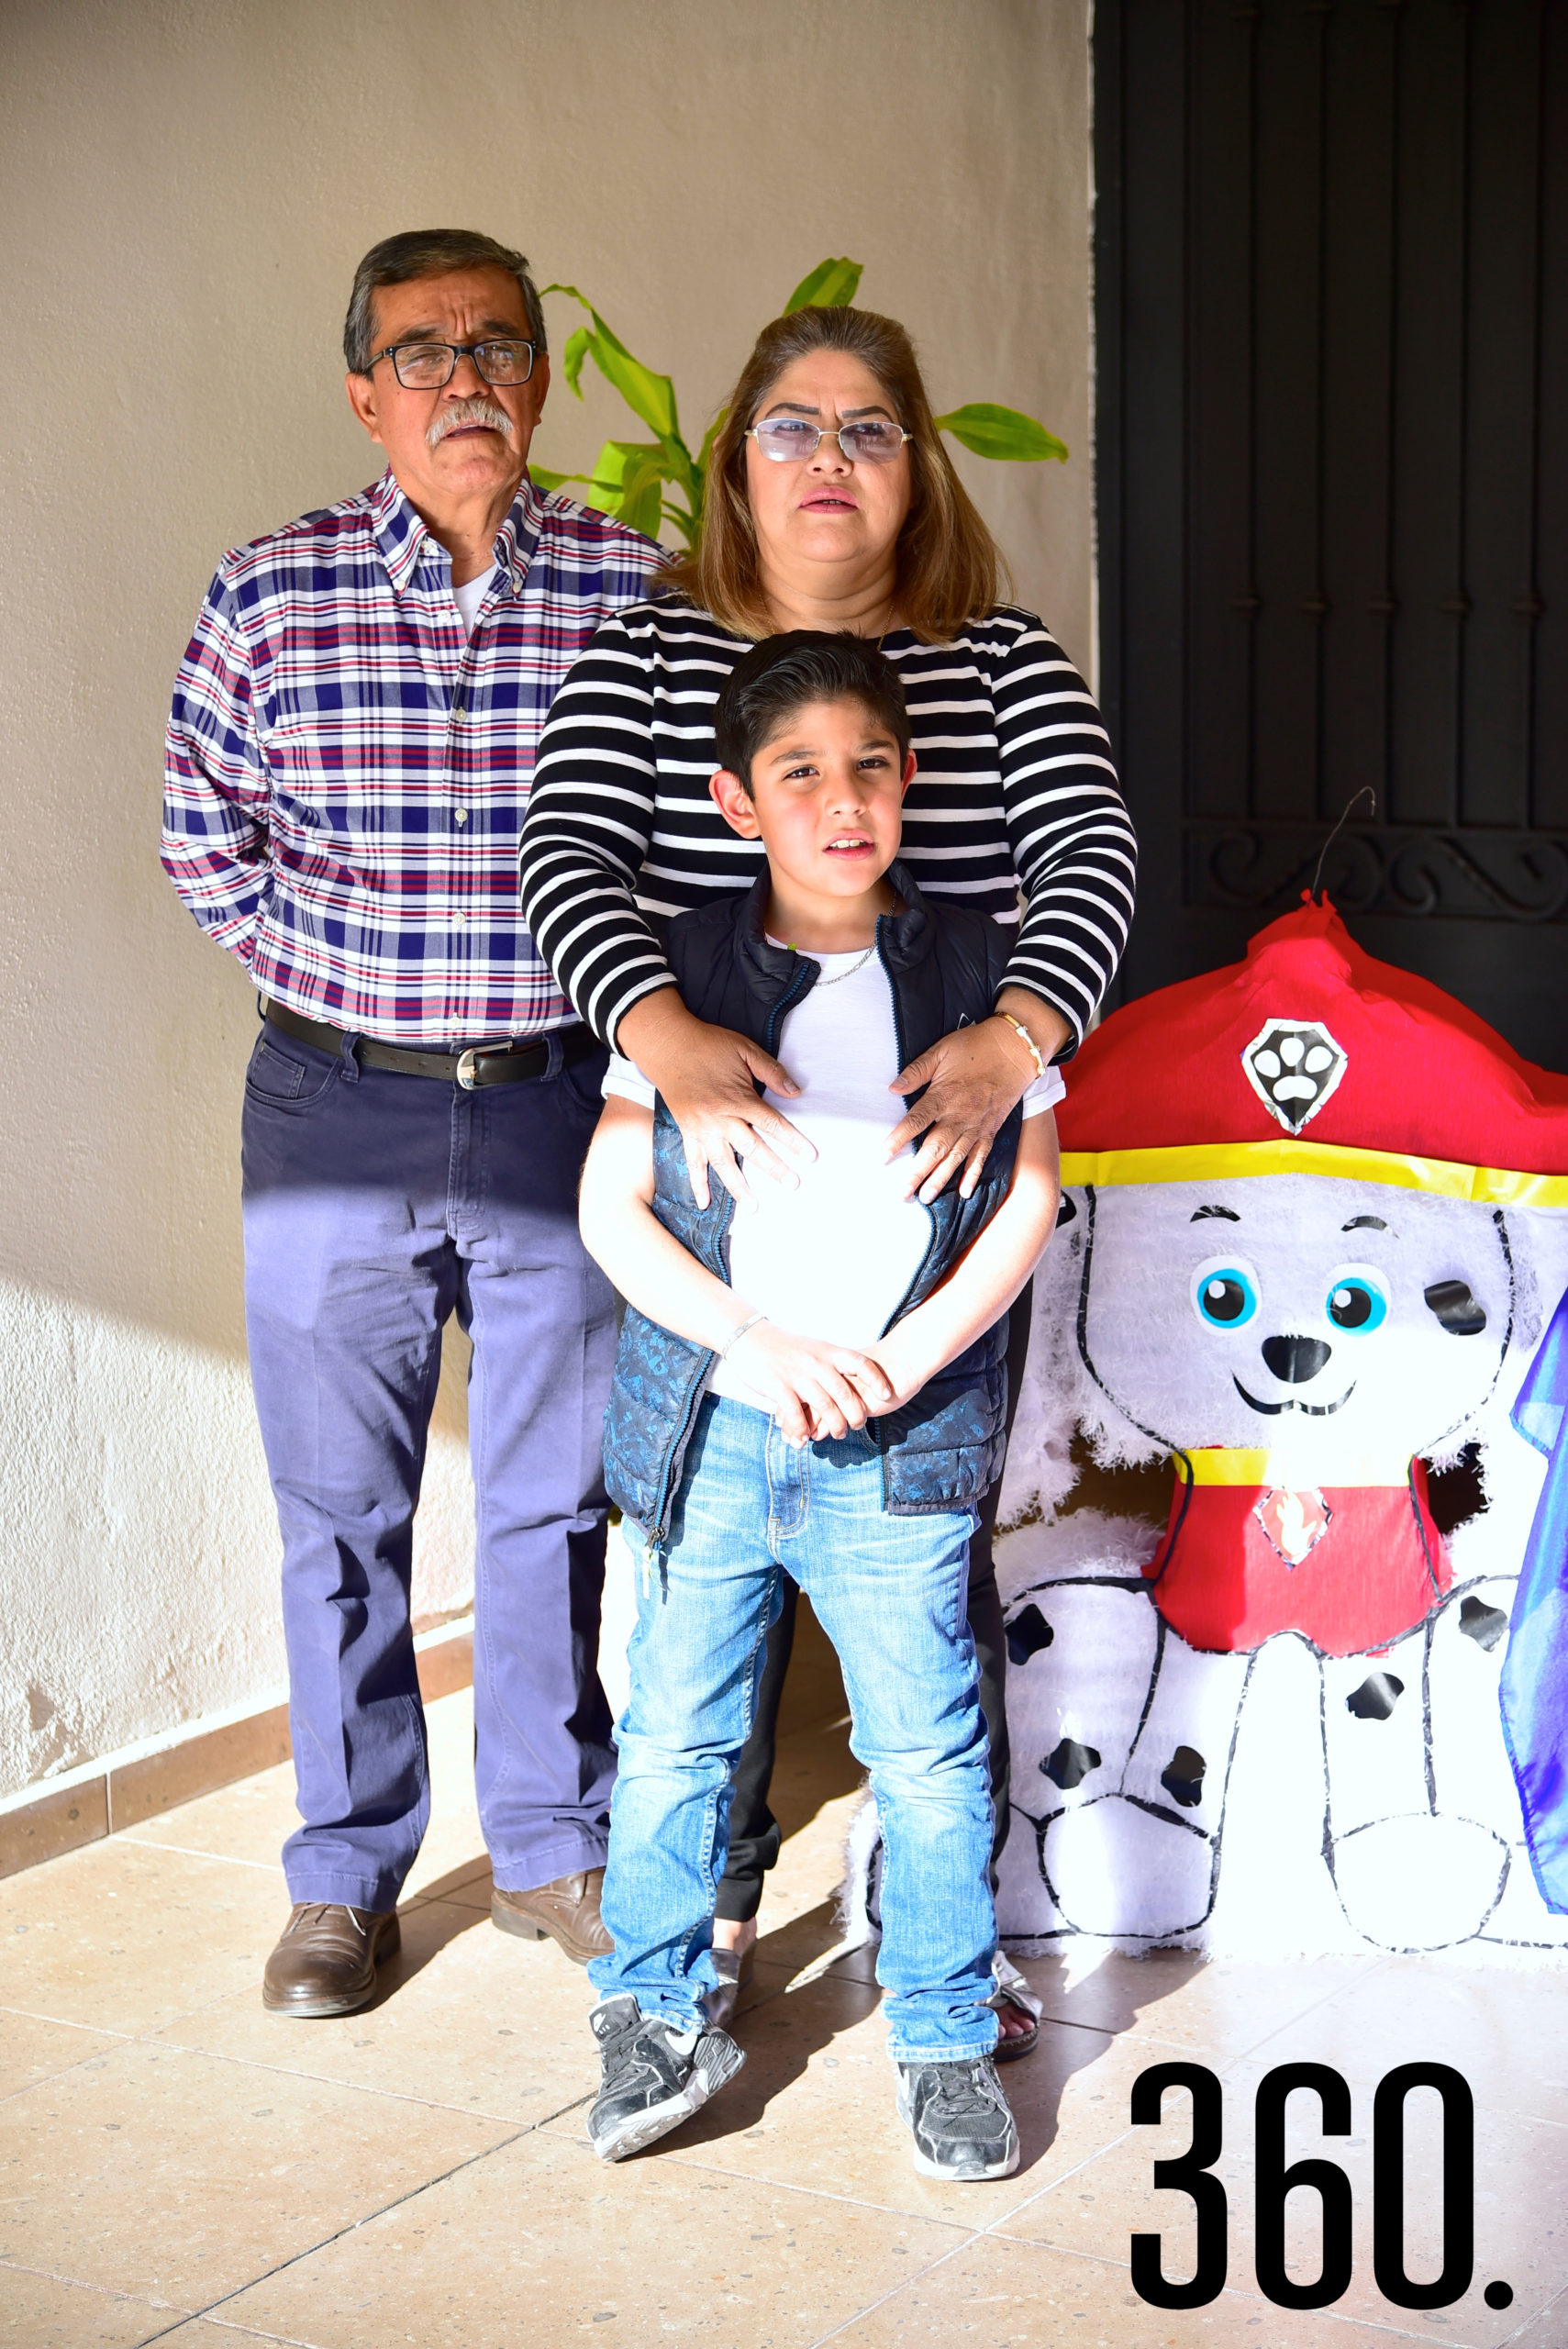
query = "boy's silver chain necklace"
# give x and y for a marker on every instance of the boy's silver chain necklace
(849, 974)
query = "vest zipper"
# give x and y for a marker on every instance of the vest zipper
(797, 985)
(676, 1460)
(903, 1305)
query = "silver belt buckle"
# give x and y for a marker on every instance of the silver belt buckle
(465, 1074)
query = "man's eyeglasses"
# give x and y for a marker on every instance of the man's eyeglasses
(789, 439)
(426, 366)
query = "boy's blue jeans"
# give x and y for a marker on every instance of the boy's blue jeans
(891, 1594)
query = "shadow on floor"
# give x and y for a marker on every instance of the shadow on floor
(811, 1771)
(1117, 1993)
(428, 1926)
(1081, 2021)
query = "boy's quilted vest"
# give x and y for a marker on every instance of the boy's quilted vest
(943, 1448)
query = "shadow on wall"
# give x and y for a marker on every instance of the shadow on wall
(140, 1540)
(223, 416)
(127, 1214)
(140, 1536)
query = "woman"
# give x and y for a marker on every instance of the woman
(833, 504)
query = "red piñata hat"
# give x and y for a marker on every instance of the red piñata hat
(1311, 1057)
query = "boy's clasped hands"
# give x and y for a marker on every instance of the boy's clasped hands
(813, 1388)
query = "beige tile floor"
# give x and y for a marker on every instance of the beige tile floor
(177, 2165)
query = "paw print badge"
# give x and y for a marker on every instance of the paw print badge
(1292, 1065)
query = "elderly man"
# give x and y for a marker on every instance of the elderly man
(348, 759)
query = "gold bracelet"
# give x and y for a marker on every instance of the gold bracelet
(1033, 1047)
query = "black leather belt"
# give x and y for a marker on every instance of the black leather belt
(479, 1064)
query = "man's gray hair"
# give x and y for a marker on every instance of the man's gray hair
(429, 252)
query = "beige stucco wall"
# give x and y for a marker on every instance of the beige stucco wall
(187, 185)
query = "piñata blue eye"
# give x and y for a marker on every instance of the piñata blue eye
(1226, 1296)
(1357, 1301)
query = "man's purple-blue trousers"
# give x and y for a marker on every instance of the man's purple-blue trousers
(376, 1204)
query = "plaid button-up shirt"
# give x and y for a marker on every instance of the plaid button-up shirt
(347, 770)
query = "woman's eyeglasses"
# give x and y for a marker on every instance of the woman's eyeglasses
(789, 439)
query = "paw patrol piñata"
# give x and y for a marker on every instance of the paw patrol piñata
(1315, 1218)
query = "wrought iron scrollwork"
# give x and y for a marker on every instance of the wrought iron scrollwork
(1474, 873)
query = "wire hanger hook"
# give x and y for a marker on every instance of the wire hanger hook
(1366, 792)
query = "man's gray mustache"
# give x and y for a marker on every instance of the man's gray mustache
(476, 410)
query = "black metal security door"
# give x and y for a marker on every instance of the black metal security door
(1332, 270)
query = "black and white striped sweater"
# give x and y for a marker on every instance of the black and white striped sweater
(1014, 796)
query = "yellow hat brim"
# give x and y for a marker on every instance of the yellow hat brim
(1204, 1162)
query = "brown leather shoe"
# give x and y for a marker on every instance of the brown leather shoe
(567, 1912)
(325, 1963)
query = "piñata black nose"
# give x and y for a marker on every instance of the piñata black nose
(1296, 1359)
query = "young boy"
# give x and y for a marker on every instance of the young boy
(813, 1383)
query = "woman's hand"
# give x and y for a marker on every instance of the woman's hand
(974, 1077)
(812, 1388)
(706, 1076)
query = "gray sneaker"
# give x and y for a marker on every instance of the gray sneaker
(959, 2118)
(652, 2077)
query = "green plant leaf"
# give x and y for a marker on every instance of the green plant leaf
(832, 286)
(606, 481)
(642, 499)
(697, 488)
(606, 494)
(704, 453)
(688, 524)
(610, 464)
(651, 397)
(628, 481)
(572, 358)
(1001, 433)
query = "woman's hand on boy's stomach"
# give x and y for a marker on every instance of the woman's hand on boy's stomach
(708, 1077)
(972, 1079)
(811, 1386)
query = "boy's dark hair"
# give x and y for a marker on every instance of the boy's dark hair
(781, 673)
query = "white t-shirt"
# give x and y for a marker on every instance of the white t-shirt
(834, 1257)
(470, 595)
